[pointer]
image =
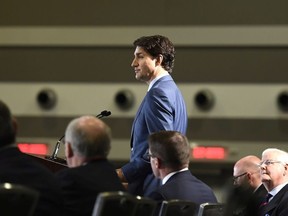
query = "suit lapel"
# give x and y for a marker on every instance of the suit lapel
(135, 119)
(275, 201)
(165, 78)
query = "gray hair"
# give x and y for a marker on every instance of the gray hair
(281, 155)
(89, 137)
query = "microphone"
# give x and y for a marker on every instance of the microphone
(104, 113)
(54, 157)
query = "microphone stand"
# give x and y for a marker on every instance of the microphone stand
(54, 157)
(55, 152)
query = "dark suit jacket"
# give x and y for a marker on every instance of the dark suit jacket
(163, 108)
(19, 168)
(255, 201)
(82, 184)
(278, 206)
(185, 186)
(245, 201)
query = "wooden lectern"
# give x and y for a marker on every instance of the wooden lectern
(52, 164)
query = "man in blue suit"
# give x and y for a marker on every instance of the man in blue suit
(163, 108)
(169, 153)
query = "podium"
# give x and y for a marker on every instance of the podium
(52, 164)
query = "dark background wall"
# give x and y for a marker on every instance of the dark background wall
(162, 12)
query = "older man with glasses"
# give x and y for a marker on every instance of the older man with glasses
(274, 175)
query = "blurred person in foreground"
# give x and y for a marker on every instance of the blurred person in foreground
(87, 145)
(19, 168)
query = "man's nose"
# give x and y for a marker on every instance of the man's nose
(133, 63)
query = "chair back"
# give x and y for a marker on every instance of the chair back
(211, 209)
(17, 199)
(179, 208)
(117, 203)
(145, 206)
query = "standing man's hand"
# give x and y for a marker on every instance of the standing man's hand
(121, 175)
(122, 178)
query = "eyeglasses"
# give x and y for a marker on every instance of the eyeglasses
(148, 156)
(269, 162)
(238, 176)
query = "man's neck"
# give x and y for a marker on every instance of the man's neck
(155, 80)
(158, 73)
(167, 174)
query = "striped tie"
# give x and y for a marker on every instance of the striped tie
(266, 201)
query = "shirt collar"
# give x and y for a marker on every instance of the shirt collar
(167, 177)
(277, 189)
(157, 78)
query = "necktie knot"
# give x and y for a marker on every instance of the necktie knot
(268, 196)
(266, 200)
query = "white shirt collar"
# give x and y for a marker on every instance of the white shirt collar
(276, 190)
(167, 177)
(157, 78)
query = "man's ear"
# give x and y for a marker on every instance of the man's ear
(68, 150)
(159, 59)
(249, 176)
(158, 163)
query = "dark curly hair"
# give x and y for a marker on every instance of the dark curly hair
(156, 45)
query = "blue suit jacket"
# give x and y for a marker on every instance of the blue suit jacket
(184, 186)
(163, 108)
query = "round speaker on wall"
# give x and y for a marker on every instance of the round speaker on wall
(46, 98)
(204, 100)
(124, 99)
(282, 101)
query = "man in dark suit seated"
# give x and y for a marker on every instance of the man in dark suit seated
(169, 153)
(19, 168)
(248, 193)
(274, 175)
(87, 145)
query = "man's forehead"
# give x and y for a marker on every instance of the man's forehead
(139, 50)
(270, 154)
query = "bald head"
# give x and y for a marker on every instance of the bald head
(88, 137)
(247, 164)
(250, 166)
